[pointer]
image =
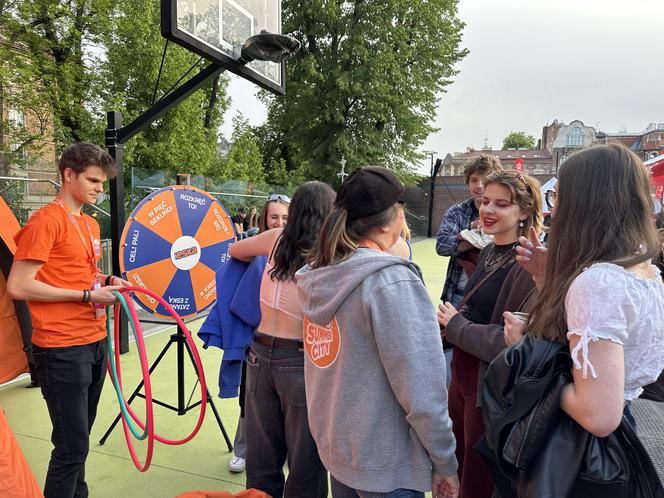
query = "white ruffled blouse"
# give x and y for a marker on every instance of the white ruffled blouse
(608, 302)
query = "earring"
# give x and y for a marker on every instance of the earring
(521, 224)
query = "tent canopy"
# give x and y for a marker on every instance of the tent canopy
(13, 360)
(656, 167)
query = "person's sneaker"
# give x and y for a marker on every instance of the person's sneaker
(237, 464)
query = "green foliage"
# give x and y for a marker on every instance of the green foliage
(80, 58)
(185, 138)
(53, 38)
(519, 140)
(244, 160)
(364, 86)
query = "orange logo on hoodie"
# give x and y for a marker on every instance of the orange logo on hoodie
(322, 342)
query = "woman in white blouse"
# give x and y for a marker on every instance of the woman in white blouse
(598, 287)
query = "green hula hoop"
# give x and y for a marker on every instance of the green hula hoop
(113, 371)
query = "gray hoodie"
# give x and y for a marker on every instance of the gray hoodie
(375, 373)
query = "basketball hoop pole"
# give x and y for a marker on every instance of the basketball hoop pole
(265, 46)
(116, 136)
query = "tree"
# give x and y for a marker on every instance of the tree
(365, 84)
(185, 138)
(518, 140)
(244, 160)
(54, 39)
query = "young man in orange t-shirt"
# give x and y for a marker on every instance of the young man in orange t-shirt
(55, 270)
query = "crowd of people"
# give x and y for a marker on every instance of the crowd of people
(346, 373)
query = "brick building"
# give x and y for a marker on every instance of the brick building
(27, 148)
(647, 144)
(534, 161)
(562, 140)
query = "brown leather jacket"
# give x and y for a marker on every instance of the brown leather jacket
(518, 293)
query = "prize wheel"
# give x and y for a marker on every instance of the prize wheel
(172, 244)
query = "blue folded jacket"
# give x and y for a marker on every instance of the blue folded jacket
(233, 318)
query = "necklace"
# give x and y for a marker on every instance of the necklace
(498, 255)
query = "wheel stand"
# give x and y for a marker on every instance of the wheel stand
(183, 407)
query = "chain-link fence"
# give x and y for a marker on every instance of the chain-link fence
(27, 193)
(233, 194)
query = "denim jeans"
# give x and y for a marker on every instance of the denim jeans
(340, 490)
(71, 380)
(278, 427)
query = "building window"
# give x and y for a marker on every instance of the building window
(575, 137)
(16, 118)
(18, 152)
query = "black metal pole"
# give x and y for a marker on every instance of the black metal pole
(116, 136)
(431, 176)
(116, 150)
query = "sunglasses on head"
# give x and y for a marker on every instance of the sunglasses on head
(278, 197)
(551, 197)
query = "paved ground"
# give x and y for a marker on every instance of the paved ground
(650, 426)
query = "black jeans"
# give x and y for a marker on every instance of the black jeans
(71, 381)
(278, 427)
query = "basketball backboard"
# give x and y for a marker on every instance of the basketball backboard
(216, 30)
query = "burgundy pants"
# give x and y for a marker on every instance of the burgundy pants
(468, 426)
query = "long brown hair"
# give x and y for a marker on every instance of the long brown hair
(310, 205)
(603, 213)
(525, 193)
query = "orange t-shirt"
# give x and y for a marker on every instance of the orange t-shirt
(51, 237)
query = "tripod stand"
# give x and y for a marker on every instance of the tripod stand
(183, 407)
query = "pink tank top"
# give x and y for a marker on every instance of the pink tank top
(280, 295)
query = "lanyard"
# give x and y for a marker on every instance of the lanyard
(92, 257)
(370, 244)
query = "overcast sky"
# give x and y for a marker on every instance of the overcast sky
(532, 61)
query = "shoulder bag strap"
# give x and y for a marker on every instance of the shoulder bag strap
(483, 280)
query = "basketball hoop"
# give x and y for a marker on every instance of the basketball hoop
(271, 47)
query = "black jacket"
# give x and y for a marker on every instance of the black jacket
(535, 450)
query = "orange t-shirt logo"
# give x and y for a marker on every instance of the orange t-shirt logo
(322, 342)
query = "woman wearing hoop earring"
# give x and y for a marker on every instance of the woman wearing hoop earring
(511, 204)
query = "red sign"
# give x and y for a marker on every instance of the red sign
(518, 164)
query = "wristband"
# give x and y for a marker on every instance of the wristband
(86, 296)
(109, 280)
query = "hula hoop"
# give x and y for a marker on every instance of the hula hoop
(148, 427)
(192, 347)
(112, 371)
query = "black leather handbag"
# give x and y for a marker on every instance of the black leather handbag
(535, 450)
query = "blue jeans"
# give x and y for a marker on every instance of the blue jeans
(71, 380)
(340, 490)
(277, 426)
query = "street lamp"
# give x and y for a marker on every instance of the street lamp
(342, 174)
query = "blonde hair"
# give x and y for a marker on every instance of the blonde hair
(405, 231)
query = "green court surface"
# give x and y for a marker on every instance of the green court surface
(200, 464)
